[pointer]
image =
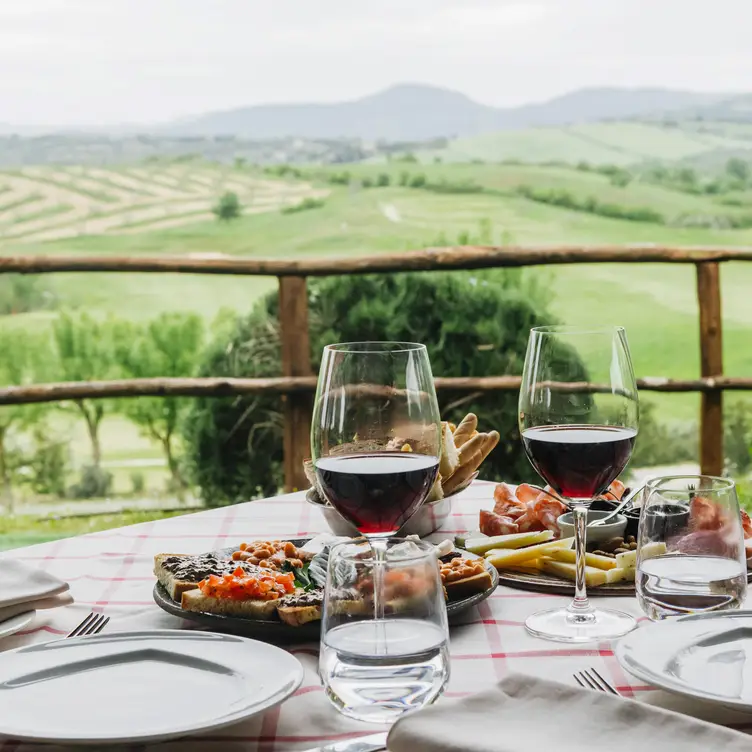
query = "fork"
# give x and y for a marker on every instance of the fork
(91, 625)
(591, 679)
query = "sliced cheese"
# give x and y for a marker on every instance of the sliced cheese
(528, 567)
(653, 549)
(503, 558)
(626, 560)
(620, 575)
(591, 560)
(593, 576)
(513, 540)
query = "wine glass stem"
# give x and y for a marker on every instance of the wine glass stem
(379, 596)
(580, 610)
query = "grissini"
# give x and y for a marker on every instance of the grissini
(492, 439)
(462, 474)
(465, 429)
(471, 448)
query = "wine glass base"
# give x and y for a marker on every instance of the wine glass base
(561, 625)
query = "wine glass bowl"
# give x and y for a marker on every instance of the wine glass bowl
(578, 420)
(375, 435)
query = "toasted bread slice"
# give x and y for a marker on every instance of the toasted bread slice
(173, 585)
(195, 600)
(468, 586)
(296, 616)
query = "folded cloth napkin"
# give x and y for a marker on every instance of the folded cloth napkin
(23, 588)
(523, 713)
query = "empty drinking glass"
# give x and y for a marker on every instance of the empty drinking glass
(377, 669)
(690, 550)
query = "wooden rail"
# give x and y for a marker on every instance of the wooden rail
(297, 383)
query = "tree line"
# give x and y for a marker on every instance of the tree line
(79, 347)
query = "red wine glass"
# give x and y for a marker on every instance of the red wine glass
(578, 416)
(375, 436)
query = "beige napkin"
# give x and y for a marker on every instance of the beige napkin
(525, 714)
(23, 588)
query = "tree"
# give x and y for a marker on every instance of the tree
(228, 207)
(22, 363)
(169, 345)
(738, 168)
(84, 351)
(474, 324)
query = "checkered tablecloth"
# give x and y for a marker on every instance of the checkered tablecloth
(111, 572)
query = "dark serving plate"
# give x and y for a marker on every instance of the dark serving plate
(278, 631)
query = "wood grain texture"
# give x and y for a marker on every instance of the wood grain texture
(711, 366)
(296, 363)
(429, 259)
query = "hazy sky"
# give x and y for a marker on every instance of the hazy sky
(108, 61)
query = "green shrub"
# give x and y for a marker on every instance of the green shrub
(383, 180)
(737, 438)
(94, 483)
(228, 207)
(662, 444)
(22, 293)
(472, 324)
(366, 183)
(418, 181)
(340, 178)
(138, 482)
(567, 200)
(404, 179)
(447, 186)
(305, 205)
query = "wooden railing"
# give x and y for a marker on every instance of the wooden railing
(298, 382)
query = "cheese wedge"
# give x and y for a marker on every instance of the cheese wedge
(591, 560)
(503, 558)
(450, 458)
(626, 560)
(481, 546)
(620, 575)
(593, 576)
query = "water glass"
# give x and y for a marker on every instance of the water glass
(377, 668)
(690, 548)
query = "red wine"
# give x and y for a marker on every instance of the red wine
(579, 461)
(377, 492)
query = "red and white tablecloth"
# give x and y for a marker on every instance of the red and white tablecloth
(111, 572)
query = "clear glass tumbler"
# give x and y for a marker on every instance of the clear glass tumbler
(377, 668)
(690, 548)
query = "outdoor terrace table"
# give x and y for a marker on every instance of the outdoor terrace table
(111, 571)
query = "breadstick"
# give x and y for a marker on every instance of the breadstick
(465, 429)
(492, 439)
(470, 448)
(461, 475)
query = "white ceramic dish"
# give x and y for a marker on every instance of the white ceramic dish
(16, 623)
(706, 657)
(117, 688)
(599, 533)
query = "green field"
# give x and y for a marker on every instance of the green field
(621, 143)
(147, 210)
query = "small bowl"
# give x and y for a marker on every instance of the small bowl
(427, 519)
(614, 529)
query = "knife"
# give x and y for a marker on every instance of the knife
(371, 743)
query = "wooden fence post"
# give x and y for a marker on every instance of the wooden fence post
(711, 365)
(296, 361)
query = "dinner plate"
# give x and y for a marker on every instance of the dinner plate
(706, 657)
(279, 631)
(139, 686)
(16, 623)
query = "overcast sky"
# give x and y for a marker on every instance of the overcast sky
(101, 62)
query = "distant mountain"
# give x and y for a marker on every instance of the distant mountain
(415, 112)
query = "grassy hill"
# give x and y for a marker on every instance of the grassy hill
(621, 143)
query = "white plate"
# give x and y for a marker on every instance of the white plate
(707, 657)
(139, 686)
(16, 623)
